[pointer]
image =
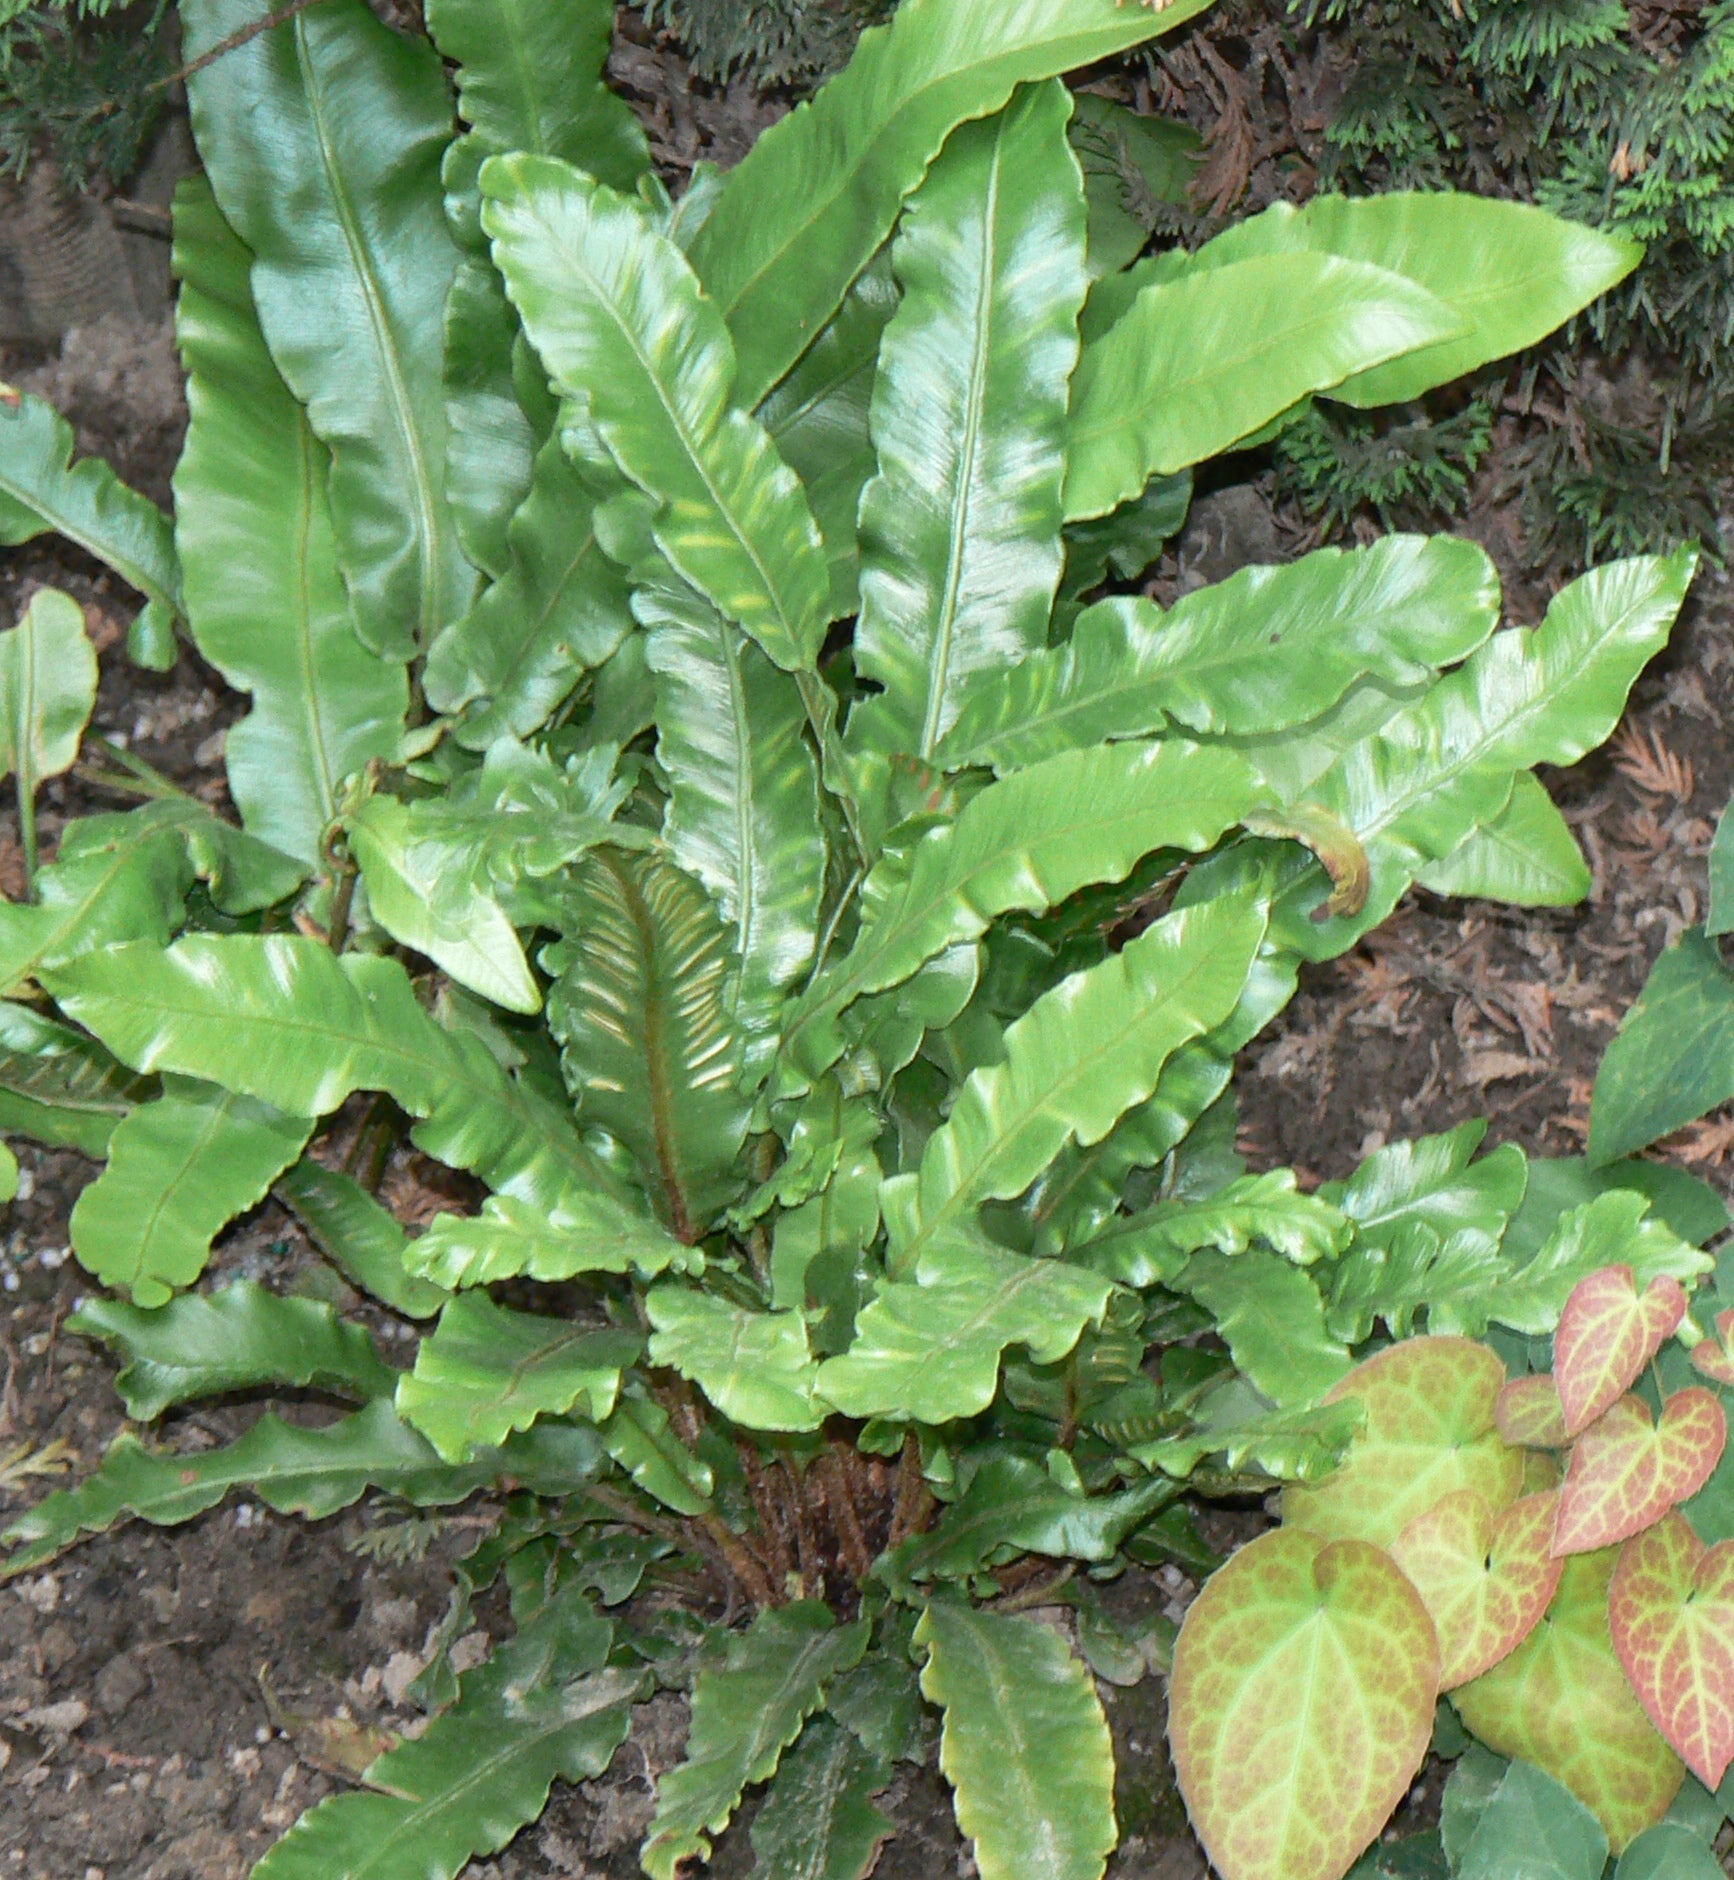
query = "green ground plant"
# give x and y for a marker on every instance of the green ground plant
(697, 785)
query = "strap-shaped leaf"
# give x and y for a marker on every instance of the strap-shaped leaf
(424, 902)
(47, 689)
(1082, 1056)
(1151, 1248)
(265, 598)
(1526, 856)
(1541, 695)
(960, 530)
(743, 807)
(745, 1713)
(1510, 271)
(1272, 1319)
(641, 1440)
(641, 1009)
(818, 1821)
(205, 1343)
(42, 488)
(558, 608)
(312, 1472)
(59, 1085)
(756, 1367)
(594, 1233)
(485, 1371)
(621, 324)
(545, 1707)
(1265, 650)
(1197, 363)
(322, 138)
(779, 260)
(1021, 845)
(1284, 1445)
(1025, 1748)
(928, 1349)
(179, 1170)
(359, 1236)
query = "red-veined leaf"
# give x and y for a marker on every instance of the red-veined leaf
(1626, 1472)
(1607, 1333)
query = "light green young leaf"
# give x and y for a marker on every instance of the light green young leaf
(960, 530)
(311, 1472)
(41, 488)
(641, 1440)
(8, 1174)
(359, 1236)
(1435, 1181)
(743, 804)
(265, 598)
(322, 138)
(928, 1349)
(1197, 363)
(641, 1009)
(179, 1170)
(47, 689)
(595, 1233)
(1026, 1747)
(756, 1367)
(622, 326)
(745, 1713)
(818, 1821)
(485, 1371)
(59, 1086)
(1266, 650)
(424, 902)
(1526, 856)
(202, 1344)
(1022, 845)
(1415, 1269)
(1272, 1319)
(1083, 1055)
(777, 260)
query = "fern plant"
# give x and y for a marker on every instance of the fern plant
(695, 784)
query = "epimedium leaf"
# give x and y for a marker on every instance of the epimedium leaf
(621, 324)
(202, 1344)
(179, 1170)
(1671, 1611)
(1272, 1319)
(265, 598)
(1199, 362)
(1530, 1414)
(960, 530)
(743, 805)
(59, 1086)
(1669, 1851)
(594, 1233)
(641, 1009)
(1607, 1333)
(485, 1371)
(425, 903)
(1562, 1702)
(1267, 649)
(545, 1707)
(1431, 1406)
(359, 1236)
(1082, 1056)
(311, 1472)
(1668, 1063)
(818, 1821)
(755, 1367)
(1526, 856)
(778, 261)
(927, 1349)
(1025, 844)
(1627, 1470)
(1025, 1745)
(745, 1713)
(322, 137)
(1533, 1825)
(1485, 1576)
(1298, 1626)
(42, 488)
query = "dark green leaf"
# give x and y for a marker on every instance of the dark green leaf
(818, 1821)
(1534, 1829)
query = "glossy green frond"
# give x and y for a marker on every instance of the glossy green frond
(756, 1367)
(359, 1235)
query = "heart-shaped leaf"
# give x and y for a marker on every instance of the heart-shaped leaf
(1607, 1333)
(1296, 1629)
(1714, 1357)
(1562, 1702)
(1430, 1405)
(1486, 1577)
(1627, 1472)
(1530, 1413)
(1671, 1605)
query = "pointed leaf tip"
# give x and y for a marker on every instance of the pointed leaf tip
(1714, 1357)
(1607, 1333)
(1627, 1472)
(1531, 1415)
